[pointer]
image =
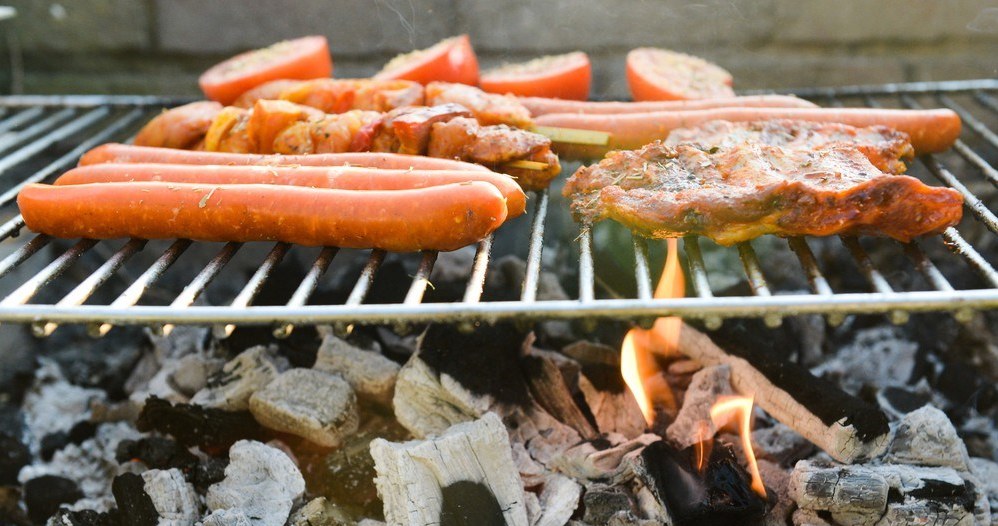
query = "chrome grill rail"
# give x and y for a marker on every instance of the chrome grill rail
(42, 136)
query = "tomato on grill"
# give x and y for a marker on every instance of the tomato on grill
(450, 60)
(659, 74)
(565, 76)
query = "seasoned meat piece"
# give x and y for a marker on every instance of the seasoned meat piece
(886, 148)
(464, 139)
(180, 127)
(742, 192)
(488, 108)
(407, 130)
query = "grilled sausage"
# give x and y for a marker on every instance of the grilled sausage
(339, 177)
(931, 131)
(444, 217)
(124, 153)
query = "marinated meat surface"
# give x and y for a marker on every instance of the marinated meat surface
(465, 139)
(488, 108)
(886, 148)
(737, 193)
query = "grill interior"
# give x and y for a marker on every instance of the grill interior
(42, 136)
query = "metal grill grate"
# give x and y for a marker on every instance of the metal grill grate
(42, 136)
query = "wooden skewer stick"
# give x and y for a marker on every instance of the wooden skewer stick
(526, 165)
(844, 426)
(573, 135)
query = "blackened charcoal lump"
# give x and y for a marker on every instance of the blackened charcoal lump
(156, 453)
(191, 425)
(87, 518)
(135, 508)
(44, 495)
(14, 455)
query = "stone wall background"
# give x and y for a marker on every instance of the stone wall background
(160, 46)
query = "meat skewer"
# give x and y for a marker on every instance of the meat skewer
(445, 131)
(741, 192)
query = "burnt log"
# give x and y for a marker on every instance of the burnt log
(612, 405)
(845, 427)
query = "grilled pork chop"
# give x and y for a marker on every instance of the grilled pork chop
(737, 193)
(886, 148)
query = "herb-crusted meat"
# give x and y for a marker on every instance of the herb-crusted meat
(886, 148)
(737, 193)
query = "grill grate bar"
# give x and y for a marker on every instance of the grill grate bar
(72, 156)
(29, 288)
(872, 275)
(366, 278)
(307, 287)
(34, 148)
(82, 292)
(642, 274)
(957, 244)
(972, 122)
(422, 278)
(756, 279)
(19, 118)
(988, 171)
(204, 278)
(586, 274)
(819, 285)
(976, 206)
(531, 274)
(35, 129)
(476, 282)
(986, 100)
(11, 228)
(926, 266)
(698, 275)
(253, 286)
(22, 253)
(134, 292)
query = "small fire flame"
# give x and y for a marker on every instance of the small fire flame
(636, 363)
(739, 409)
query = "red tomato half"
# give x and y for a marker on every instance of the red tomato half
(659, 74)
(300, 59)
(565, 76)
(450, 60)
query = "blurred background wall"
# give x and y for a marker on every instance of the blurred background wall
(160, 46)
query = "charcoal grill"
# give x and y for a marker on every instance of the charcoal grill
(36, 129)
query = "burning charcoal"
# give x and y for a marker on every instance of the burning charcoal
(53, 404)
(926, 437)
(468, 467)
(721, 495)
(548, 386)
(319, 512)
(781, 444)
(44, 495)
(369, 373)
(51, 443)
(843, 426)
(370, 522)
(601, 459)
(804, 517)
(603, 502)
(879, 357)
(311, 404)
(614, 408)
(230, 388)
(899, 401)
(693, 423)
(777, 481)
(191, 425)
(559, 497)
(857, 489)
(173, 497)
(14, 455)
(266, 500)
(156, 453)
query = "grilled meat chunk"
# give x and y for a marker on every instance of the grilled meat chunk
(465, 139)
(737, 193)
(886, 148)
(488, 108)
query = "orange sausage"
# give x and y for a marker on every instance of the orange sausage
(543, 106)
(339, 177)
(444, 217)
(180, 127)
(125, 153)
(930, 131)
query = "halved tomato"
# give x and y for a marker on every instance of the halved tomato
(450, 60)
(659, 74)
(299, 59)
(565, 76)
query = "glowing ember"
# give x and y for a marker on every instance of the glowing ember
(636, 364)
(740, 408)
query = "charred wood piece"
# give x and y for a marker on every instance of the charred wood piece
(845, 427)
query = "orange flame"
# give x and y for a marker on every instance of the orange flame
(739, 408)
(636, 363)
